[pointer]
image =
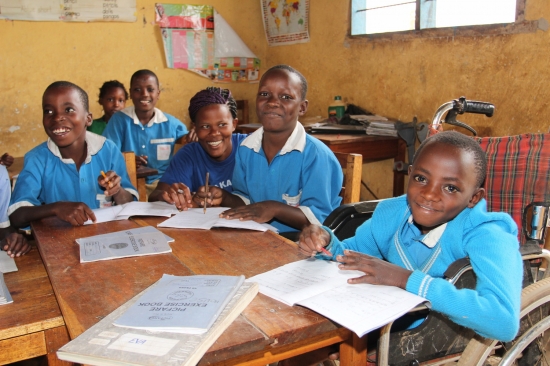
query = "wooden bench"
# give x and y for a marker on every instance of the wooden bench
(32, 325)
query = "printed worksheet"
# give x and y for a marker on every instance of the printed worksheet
(196, 218)
(321, 286)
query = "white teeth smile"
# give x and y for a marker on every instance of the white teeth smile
(60, 131)
(214, 144)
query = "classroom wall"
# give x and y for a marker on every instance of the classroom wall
(403, 79)
(397, 79)
(34, 54)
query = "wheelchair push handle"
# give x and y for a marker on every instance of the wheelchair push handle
(474, 106)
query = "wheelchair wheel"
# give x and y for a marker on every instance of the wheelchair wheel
(532, 345)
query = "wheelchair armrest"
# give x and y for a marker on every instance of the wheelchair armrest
(456, 268)
(531, 247)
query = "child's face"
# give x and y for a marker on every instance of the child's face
(279, 101)
(214, 126)
(144, 92)
(113, 101)
(442, 183)
(64, 117)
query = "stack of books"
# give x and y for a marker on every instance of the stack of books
(5, 296)
(175, 321)
(382, 128)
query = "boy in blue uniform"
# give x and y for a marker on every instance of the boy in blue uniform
(411, 240)
(11, 242)
(145, 129)
(282, 175)
(213, 112)
(62, 176)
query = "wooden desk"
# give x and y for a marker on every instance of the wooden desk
(372, 148)
(265, 332)
(32, 325)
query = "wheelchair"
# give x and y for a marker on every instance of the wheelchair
(439, 341)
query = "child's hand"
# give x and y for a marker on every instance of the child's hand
(260, 212)
(377, 271)
(141, 160)
(213, 199)
(6, 160)
(179, 195)
(15, 245)
(111, 183)
(75, 213)
(312, 239)
(192, 136)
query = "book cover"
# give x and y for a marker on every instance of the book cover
(106, 344)
(183, 304)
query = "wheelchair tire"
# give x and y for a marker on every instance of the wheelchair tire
(535, 305)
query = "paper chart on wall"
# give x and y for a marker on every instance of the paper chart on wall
(197, 38)
(69, 10)
(285, 22)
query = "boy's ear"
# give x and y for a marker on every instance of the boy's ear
(477, 196)
(303, 107)
(89, 119)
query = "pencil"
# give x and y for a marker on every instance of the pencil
(326, 252)
(206, 192)
(104, 176)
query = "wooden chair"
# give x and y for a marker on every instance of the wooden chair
(130, 160)
(242, 111)
(352, 164)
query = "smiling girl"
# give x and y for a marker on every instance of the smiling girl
(213, 112)
(112, 97)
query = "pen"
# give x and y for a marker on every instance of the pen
(205, 191)
(326, 252)
(105, 177)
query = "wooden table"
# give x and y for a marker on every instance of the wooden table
(372, 148)
(265, 332)
(32, 325)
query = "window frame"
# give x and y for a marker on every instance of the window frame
(519, 26)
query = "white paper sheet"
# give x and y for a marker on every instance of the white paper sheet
(7, 263)
(322, 287)
(195, 218)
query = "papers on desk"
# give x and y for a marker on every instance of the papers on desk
(5, 296)
(121, 244)
(181, 304)
(123, 212)
(107, 344)
(195, 218)
(322, 287)
(7, 263)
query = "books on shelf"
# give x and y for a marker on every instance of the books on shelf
(107, 344)
(181, 304)
(5, 296)
(196, 218)
(321, 286)
(145, 240)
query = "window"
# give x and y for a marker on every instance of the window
(383, 16)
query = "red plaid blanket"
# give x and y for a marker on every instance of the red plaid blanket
(517, 172)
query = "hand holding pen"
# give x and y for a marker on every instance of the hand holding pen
(313, 240)
(110, 181)
(178, 194)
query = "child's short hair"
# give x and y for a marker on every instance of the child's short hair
(144, 72)
(111, 84)
(67, 84)
(212, 95)
(463, 142)
(288, 68)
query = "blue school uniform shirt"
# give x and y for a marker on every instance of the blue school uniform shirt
(191, 162)
(156, 139)
(47, 177)
(304, 174)
(5, 194)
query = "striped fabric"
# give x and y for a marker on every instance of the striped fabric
(517, 172)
